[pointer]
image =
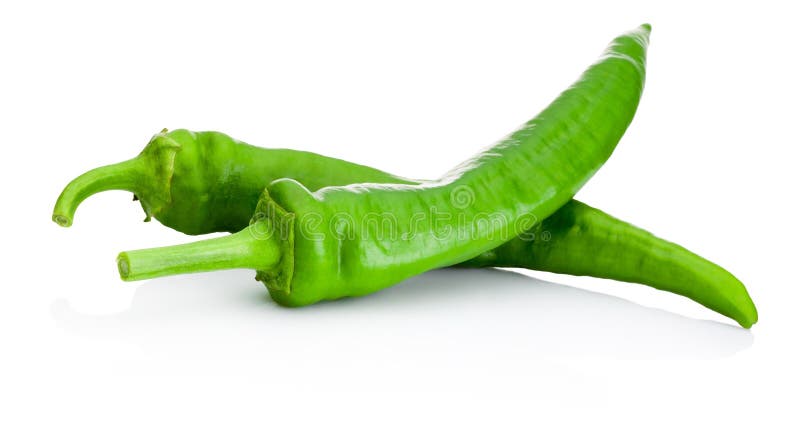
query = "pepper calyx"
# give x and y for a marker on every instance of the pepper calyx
(272, 221)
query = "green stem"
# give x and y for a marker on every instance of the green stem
(119, 176)
(249, 248)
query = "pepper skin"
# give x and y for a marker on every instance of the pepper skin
(586, 241)
(206, 182)
(530, 173)
(232, 173)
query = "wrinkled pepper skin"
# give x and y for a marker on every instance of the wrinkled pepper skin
(531, 173)
(217, 182)
(206, 182)
(221, 194)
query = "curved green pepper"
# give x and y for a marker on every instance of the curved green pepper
(309, 246)
(586, 241)
(220, 194)
(206, 182)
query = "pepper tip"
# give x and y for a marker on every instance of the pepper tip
(750, 319)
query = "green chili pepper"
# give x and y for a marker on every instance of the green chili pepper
(578, 239)
(309, 246)
(206, 182)
(577, 236)
(582, 240)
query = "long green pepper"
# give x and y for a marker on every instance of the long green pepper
(309, 247)
(220, 196)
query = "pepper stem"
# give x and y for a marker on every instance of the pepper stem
(249, 248)
(119, 176)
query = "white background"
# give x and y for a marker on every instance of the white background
(413, 88)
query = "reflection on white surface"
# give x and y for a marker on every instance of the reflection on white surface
(446, 315)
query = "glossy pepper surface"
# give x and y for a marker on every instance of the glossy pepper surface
(218, 183)
(577, 239)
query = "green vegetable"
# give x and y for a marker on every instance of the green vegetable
(206, 182)
(309, 246)
(586, 241)
(219, 181)
(580, 240)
